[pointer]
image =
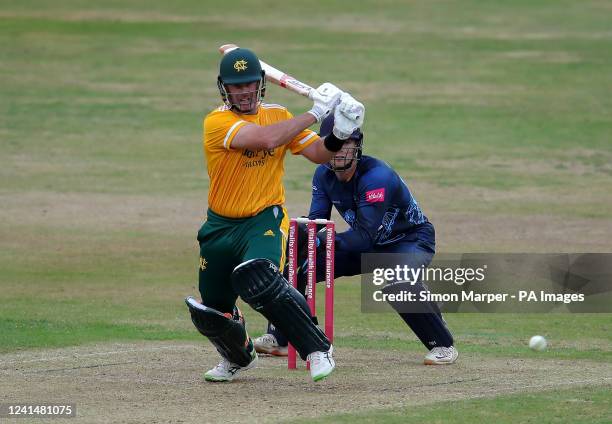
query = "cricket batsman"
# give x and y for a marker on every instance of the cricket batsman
(242, 242)
(383, 217)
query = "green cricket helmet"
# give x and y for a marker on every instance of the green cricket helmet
(240, 66)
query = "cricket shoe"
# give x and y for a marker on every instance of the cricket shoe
(268, 344)
(226, 370)
(321, 364)
(441, 356)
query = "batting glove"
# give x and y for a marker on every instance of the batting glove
(325, 99)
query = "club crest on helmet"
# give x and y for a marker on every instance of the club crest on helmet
(240, 65)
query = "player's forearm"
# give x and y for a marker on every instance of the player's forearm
(317, 152)
(283, 132)
(354, 241)
(321, 213)
(272, 136)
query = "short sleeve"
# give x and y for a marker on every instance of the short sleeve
(302, 140)
(220, 128)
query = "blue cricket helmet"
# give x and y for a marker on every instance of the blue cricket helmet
(339, 163)
(328, 124)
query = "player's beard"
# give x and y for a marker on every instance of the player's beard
(246, 102)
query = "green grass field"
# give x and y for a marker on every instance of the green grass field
(497, 114)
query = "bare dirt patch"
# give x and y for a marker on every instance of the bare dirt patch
(541, 56)
(470, 32)
(530, 233)
(575, 167)
(353, 23)
(161, 382)
(456, 230)
(164, 214)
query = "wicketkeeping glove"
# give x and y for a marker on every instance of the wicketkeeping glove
(348, 116)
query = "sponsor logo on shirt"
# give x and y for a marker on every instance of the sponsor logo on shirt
(377, 195)
(256, 157)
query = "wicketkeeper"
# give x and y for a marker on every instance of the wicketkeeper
(242, 242)
(383, 217)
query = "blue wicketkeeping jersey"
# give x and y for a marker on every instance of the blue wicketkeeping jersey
(376, 204)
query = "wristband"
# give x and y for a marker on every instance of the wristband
(333, 143)
(316, 115)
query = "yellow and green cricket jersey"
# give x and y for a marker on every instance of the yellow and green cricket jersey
(244, 182)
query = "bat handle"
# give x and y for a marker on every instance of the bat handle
(312, 95)
(226, 48)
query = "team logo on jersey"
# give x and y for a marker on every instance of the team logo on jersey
(377, 195)
(203, 263)
(240, 65)
(414, 213)
(349, 217)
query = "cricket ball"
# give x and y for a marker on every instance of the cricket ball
(537, 343)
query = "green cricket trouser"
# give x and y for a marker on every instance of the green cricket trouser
(225, 243)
